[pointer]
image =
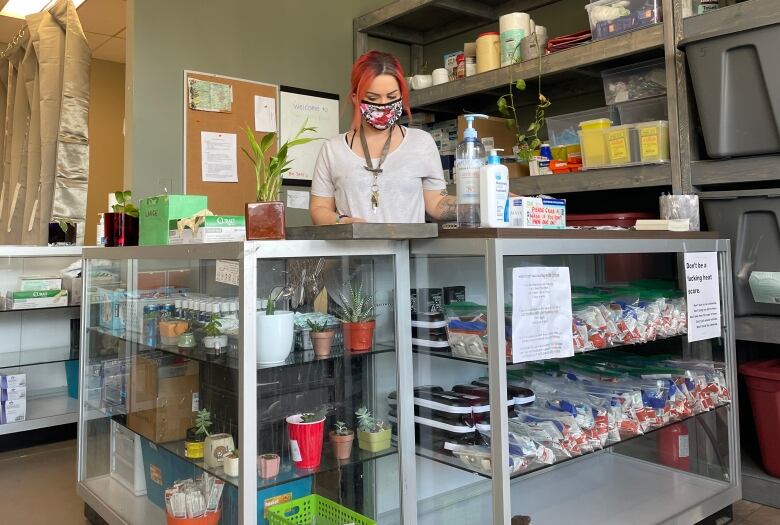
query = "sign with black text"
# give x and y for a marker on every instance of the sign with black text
(702, 295)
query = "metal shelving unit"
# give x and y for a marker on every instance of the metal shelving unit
(648, 176)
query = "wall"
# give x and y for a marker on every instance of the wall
(295, 42)
(106, 141)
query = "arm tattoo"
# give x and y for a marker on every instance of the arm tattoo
(446, 210)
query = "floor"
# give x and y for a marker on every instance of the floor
(38, 487)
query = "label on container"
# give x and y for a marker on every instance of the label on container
(295, 451)
(195, 401)
(510, 46)
(684, 448)
(648, 142)
(618, 147)
(275, 500)
(468, 180)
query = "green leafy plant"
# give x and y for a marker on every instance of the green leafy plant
(270, 306)
(235, 452)
(123, 204)
(214, 327)
(203, 422)
(317, 327)
(367, 422)
(526, 138)
(317, 415)
(65, 223)
(356, 307)
(341, 429)
(268, 174)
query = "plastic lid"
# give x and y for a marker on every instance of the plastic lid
(494, 158)
(650, 124)
(585, 123)
(762, 369)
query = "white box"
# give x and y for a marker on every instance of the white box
(37, 282)
(537, 212)
(14, 411)
(36, 299)
(14, 393)
(13, 380)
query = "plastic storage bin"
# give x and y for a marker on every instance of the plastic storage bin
(653, 141)
(562, 130)
(622, 145)
(736, 82)
(642, 110)
(594, 148)
(127, 465)
(161, 469)
(763, 385)
(634, 82)
(613, 17)
(314, 509)
(751, 219)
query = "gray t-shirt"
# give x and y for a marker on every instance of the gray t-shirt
(412, 167)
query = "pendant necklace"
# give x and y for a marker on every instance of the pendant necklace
(370, 165)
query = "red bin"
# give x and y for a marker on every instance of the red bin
(763, 384)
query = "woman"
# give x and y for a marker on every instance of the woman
(379, 171)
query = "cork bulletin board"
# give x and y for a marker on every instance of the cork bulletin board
(230, 112)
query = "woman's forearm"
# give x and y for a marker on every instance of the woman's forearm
(321, 215)
(446, 209)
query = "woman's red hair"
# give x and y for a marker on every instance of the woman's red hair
(365, 69)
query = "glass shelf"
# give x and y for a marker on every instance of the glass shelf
(452, 461)
(36, 356)
(18, 310)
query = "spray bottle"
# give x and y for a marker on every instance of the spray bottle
(469, 158)
(494, 192)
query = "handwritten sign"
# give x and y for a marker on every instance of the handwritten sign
(297, 107)
(703, 295)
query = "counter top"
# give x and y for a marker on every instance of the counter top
(526, 233)
(365, 231)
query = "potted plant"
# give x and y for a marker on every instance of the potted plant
(373, 435)
(341, 438)
(121, 224)
(306, 435)
(230, 463)
(214, 339)
(265, 218)
(357, 318)
(193, 443)
(215, 446)
(268, 465)
(321, 337)
(275, 332)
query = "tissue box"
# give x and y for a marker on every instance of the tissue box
(14, 411)
(13, 381)
(215, 228)
(157, 212)
(30, 283)
(14, 393)
(36, 299)
(537, 212)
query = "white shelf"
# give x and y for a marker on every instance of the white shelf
(43, 412)
(603, 489)
(37, 356)
(117, 505)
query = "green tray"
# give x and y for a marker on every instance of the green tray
(304, 511)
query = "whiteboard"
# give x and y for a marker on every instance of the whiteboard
(318, 110)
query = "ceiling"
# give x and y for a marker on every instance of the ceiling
(103, 22)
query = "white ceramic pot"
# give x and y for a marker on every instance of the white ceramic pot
(215, 447)
(215, 341)
(230, 464)
(440, 76)
(422, 81)
(274, 337)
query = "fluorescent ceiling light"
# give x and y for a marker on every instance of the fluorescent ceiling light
(22, 8)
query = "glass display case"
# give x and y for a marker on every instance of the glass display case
(557, 377)
(243, 383)
(40, 289)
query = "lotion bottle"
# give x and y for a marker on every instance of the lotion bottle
(494, 193)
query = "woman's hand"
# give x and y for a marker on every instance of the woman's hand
(350, 220)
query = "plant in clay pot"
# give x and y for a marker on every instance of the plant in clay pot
(321, 337)
(306, 435)
(357, 318)
(341, 439)
(373, 434)
(275, 331)
(230, 462)
(121, 224)
(214, 340)
(268, 465)
(265, 218)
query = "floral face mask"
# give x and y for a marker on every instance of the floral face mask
(382, 116)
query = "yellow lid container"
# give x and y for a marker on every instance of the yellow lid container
(594, 148)
(653, 141)
(599, 123)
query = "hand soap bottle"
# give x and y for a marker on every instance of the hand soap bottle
(469, 159)
(494, 193)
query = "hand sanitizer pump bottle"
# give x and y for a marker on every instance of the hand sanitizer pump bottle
(469, 158)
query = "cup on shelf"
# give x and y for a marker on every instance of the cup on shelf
(440, 76)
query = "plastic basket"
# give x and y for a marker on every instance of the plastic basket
(304, 511)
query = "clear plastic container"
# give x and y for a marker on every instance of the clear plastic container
(562, 129)
(610, 17)
(653, 141)
(622, 145)
(643, 110)
(594, 148)
(635, 81)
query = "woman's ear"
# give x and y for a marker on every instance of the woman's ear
(354, 98)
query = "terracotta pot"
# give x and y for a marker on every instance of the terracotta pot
(264, 221)
(120, 229)
(342, 445)
(268, 465)
(358, 337)
(322, 341)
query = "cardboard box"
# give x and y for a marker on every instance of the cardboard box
(493, 127)
(13, 380)
(14, 393)
(14, 411)
(112, 310)
(163, 397)
(537, 212)
(36, 299)
(517, 169)
(214, 228)
(157, 212)
(73, 286)
(35, 282)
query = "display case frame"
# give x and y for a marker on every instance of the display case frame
(115, 508)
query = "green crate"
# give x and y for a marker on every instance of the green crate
(304, 511)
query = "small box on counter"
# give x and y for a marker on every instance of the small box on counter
(31, 283)
(36, 299)
(537, 212)
(157, 212)
(13, 381)
(212, 228)
(14, 411)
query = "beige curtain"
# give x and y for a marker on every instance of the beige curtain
(45, 151)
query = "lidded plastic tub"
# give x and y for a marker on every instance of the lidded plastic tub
(622, 144)
(642, 110)
(763, 385)
(653, 141)
(612, 17)
(634, 82)
(562, 129)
